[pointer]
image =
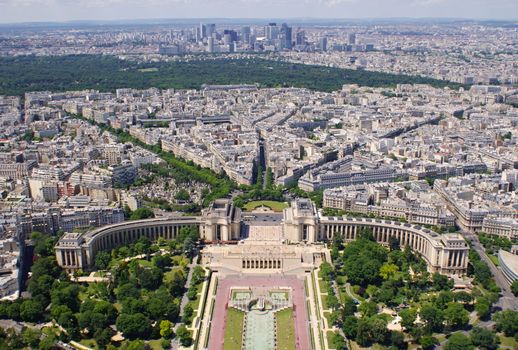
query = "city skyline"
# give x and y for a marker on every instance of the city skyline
(65, 10)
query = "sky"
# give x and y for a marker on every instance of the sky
(66, 10)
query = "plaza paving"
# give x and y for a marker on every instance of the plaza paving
(225, 285)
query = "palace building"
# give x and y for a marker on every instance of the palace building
(258, 241)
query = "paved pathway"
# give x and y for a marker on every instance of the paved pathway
(313, 315)
(349, 293)
(507, 301)
(174, 343)
(191, 266)
(206, 321)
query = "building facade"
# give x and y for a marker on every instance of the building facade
(509, 263)
(301, 224)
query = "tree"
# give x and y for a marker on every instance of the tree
(394, 244)
(64, 316)
(337, 341)
(326, 271)
(182, 195)
(142, 213)
(441, 282)
(134, 325)
(102, 260)
(184, 335)
(507, 322)
(335, 318)
(43, 244)
(388, 270)
(31, 337)
(166, 329)
(31, 311)
(127, 290)
(150, 278)
(166, 343)
(484, 338)
(93, 321)
(514, 288)
(48, 342)
(176, 285)
(459, 341)
(137, 345)
(368, 308)
(350, 326)
(371, 330)
(432, 317)
(133, 306)
(65, 293)
(442, 300)
(363, 259)
(408, 317)
(456, 316)
(463, 297)
(107, 309)
(397, 339)
(188, 311)
(160, 306)
(348, 306)
(189, 245)
(332, 301)
(198, 275)
(428, 342)
(483, 307)
(103, 337)
(162, 261)
(482, 272)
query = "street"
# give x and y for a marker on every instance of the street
(507, 300)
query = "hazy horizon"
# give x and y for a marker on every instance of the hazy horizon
(26, 11)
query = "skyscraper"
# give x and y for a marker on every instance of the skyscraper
(301, 38)
(231, 33)
(271, 31)
(203, 30)
(211, 29)
(323, 43)
(211, 45)
(199, 35)
(245, 34)
(352, 38)
(287, 36)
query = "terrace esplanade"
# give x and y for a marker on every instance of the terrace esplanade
(301, 222)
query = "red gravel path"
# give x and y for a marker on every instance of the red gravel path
(217, 332)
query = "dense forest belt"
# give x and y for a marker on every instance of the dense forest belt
(107, 73)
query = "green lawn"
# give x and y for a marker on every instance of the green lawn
(508, 341)
(145, 263)
(118, 306)
(91, 343)
(327, 315)
(168, 276)
(324, 301)
(285, 330)
(494, 259)
(331, 336)
(275, 206)
(148, 70)
(155, 344)
(234, 330)
(322, 285)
